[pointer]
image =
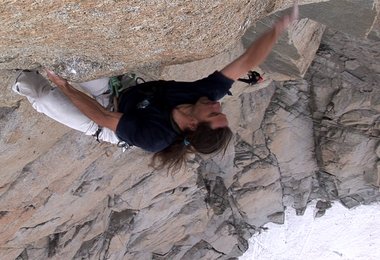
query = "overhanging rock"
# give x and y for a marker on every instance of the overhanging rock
(83, 40)
(295, 50)
(353, 17)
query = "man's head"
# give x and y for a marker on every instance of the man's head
(211, 133)
(204, 130)
(210, 112)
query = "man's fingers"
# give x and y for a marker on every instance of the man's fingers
(52, 76)
(56, 79)
(50, 73)
(295, 11)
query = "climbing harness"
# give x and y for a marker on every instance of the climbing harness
(253, 78)
(97, 133)
(117, 85)
(124, 146)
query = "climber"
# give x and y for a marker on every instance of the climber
(168, 118)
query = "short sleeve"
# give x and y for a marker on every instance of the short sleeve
(215, 86)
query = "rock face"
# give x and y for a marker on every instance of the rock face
(87, 39)
(346, 100)
(64, 196)
(356, 18)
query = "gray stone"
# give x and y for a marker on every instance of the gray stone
(64, 196)
(349, 16)
(351, 64)
(291, 136)
(278, 218)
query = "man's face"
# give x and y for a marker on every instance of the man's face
(209, 111)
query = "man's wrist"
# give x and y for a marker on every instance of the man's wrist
(279, 27)
(64, 85)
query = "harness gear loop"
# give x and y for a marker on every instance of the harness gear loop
(118, 84)
(96, 134)
(123, 145)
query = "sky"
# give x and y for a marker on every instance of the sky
(339, 234)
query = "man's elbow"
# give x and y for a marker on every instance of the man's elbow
(110, 120)
(238, 68)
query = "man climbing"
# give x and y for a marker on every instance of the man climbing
(168, 118)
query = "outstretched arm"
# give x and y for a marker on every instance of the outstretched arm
(87, 105)
(259, 49)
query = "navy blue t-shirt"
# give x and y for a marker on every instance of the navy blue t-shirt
(146, 108)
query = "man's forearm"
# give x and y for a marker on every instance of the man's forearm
(90, 107)
(260, 49)
(253, 56)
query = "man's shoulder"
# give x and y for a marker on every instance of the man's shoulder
(149, 131)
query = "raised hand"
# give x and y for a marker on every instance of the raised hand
(286, 20)
(295, 12)
(260, 48)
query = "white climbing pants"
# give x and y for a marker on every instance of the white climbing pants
(53, 103)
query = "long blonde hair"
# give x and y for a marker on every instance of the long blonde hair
(203, 140)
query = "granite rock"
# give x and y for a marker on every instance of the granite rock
(65, 196)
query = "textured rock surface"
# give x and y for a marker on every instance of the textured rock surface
(356, 18)
(346, 99)
(64, 196)
(88, 39)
